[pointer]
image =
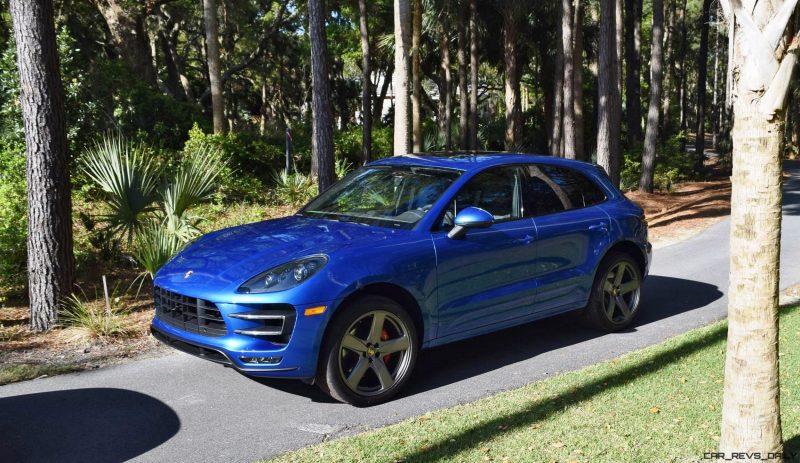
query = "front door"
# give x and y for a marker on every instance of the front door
(486, 277)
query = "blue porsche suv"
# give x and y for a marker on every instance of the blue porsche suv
(403, 254)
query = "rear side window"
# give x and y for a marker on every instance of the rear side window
(581, 191)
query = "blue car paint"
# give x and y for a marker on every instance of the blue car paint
(463, 288)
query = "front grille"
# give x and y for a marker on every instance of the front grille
(188, 313)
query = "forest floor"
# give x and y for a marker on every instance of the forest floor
(673, 216)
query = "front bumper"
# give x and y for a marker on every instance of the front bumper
(295, 359)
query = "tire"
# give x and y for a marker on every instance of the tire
(615, 299)
(365, 364)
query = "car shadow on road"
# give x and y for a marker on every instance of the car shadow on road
(80, 425)
(663, 297)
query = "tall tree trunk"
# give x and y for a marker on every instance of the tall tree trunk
(473, 72)
(402, 41)
(682, 75)
(446, 98)
(633, 91)
(653, 108)
(380, 98)
(751, 398)
(608, 112)
(669, 59)
(322, 114)
(702, 80)
(50, 258)
(619, 23)
(557, 125)
(569, 79)
(463, 73)
(416, 78)
(715, 84)
(512, 99)
(578, 80)
(214, 72)
(126, 22)
(366, 87)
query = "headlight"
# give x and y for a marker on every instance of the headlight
(284, 276)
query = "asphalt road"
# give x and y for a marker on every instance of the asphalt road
(182, 409)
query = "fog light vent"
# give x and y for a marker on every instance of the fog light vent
(262, 360)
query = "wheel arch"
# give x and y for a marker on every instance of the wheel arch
(630, 248)
(396, 293)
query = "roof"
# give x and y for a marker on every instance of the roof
(476, 160)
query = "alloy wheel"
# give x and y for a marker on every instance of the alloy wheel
(621, 290)
(374, 353)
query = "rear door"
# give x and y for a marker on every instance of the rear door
(572, 234)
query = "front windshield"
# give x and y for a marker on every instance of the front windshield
(389, 196)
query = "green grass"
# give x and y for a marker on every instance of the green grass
(661, 404)
(22, 372)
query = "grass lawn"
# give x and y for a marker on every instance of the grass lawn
(661, 404)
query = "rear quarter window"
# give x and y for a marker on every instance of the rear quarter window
(582, 191)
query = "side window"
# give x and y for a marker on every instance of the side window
(581, 191)
(541, 195)
(496, 191)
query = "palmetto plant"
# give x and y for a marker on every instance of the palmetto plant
(149, 207)
(294, 189)
(194, 182)
(128, 177)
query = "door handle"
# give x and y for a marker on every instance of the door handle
(599, 226)
(527, 239)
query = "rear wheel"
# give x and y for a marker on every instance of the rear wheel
(614, 301)
(369, 351)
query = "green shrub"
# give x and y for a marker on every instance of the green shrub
(294, 189)
(154, 247)
(13, 218)
(250, 159)
(95, 322)
(673, 165)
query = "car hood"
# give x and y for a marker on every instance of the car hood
(227, 258)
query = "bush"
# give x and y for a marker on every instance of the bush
(94, 322)
(294, 189)
(251, 161)
(673, 165)
(347, 144)
(13, 218)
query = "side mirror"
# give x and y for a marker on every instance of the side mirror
(470, 217)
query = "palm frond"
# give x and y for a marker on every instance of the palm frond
(129, 179)
(194, 182)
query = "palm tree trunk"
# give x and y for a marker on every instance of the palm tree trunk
(653, 109)
(402, 40)
(473, 70)
(608, 111)
(416, 79)
(366, 86)
(751, 398)
(50, 258)
(322, 115)
(569, 79)
(578, 80)
(214, 73)
(463, 73)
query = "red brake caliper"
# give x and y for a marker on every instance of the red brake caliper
(385, 337)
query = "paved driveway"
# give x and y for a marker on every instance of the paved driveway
(181, 409)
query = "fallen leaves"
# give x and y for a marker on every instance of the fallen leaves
(655, 410)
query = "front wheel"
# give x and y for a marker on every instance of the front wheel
(369, 352)
(614, 301)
